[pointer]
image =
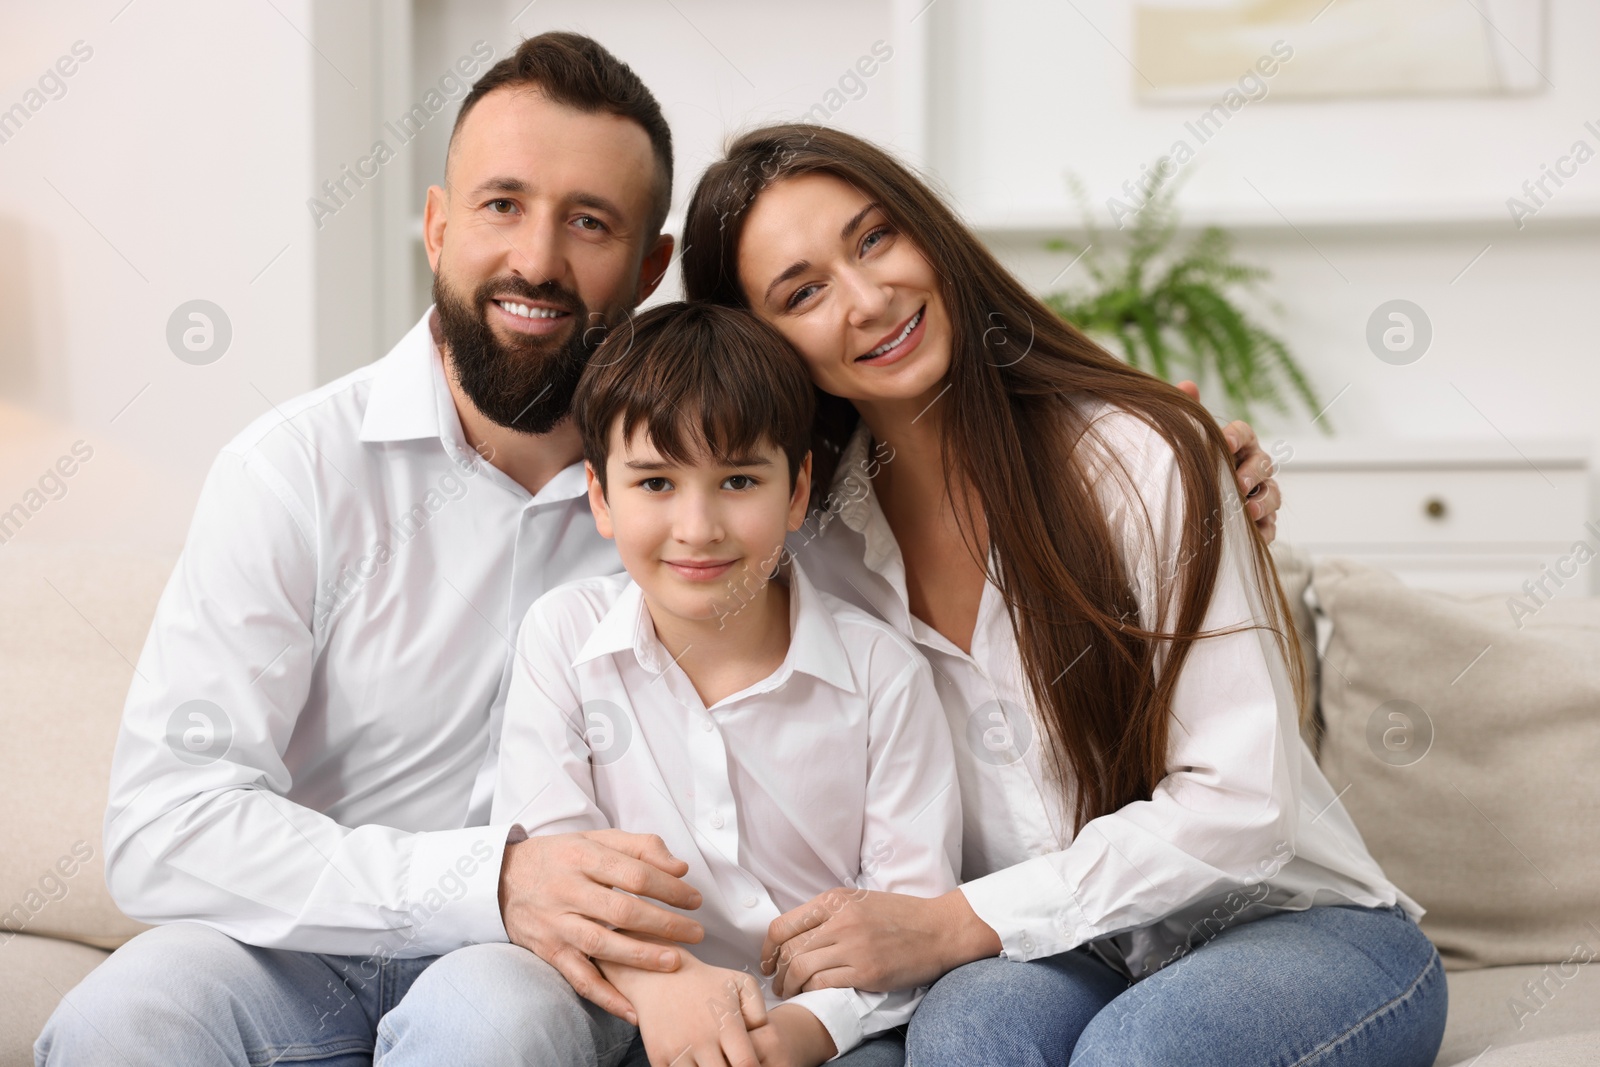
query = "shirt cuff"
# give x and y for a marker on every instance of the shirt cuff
(453, 889)
(1031, 908)
(839, 1010)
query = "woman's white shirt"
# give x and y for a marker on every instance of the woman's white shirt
(1244, 823)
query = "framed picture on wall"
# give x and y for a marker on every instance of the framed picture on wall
(1192, 49)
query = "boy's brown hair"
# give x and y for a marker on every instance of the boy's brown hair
(703, 380)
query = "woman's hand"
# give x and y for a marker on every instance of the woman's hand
(1254, 469)
(855, 939)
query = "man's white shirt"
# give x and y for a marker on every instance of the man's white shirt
(305, 757)
(834, 770)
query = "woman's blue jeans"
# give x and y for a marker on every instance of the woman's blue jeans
(1331, 986)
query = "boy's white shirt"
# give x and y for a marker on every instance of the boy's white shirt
(835, 770)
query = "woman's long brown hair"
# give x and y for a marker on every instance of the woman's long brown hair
(1011, 431)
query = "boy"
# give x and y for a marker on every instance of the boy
(781, 742)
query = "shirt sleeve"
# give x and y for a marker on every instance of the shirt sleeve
(911, 837)
(198, 823)
(545, 784)
(1228, 805)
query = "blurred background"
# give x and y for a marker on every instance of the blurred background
(206, 209)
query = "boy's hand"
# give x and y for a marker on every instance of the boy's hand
(793, 1037)
(697, 1016)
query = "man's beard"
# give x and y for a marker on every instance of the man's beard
(524, 385)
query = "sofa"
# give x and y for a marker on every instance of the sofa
(1464, 743)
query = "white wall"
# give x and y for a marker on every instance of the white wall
(716, 66)
(190, 142)
(1383, 198)
(1027, 90)
(1379, 199)
(173, 168)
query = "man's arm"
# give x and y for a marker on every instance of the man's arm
(1253, 469)
(559, 900)
(199, 825)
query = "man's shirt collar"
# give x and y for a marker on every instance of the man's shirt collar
(404, 403)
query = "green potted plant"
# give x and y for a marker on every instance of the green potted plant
(1171, 310)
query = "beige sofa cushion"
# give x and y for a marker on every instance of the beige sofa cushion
(1466, 748)
(1493, 1015)
(34, 975)
(76, 621)
(1568, 1050)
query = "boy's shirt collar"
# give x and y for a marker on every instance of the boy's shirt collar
(815, 646)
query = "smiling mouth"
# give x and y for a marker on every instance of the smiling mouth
(894, 342)
(700, 570)
(528, 311)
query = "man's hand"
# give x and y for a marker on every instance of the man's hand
(558, 895)
(1254, 469)
(856, 939)
(698, 1016)
(793, 1037)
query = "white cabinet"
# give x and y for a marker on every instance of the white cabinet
(1468, 518)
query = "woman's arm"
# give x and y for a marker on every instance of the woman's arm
(1227, 809)
(889, 940)
(1227, 806)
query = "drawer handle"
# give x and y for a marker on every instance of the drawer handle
(1434, 508)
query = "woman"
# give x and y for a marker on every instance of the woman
(1157, 872)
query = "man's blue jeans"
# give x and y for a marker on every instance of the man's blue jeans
(1332, 986)
(186, 994)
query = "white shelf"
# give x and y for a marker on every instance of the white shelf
(1467, 517)
(1407, 218)
(1567, 453)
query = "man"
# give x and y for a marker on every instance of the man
(302, 783)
